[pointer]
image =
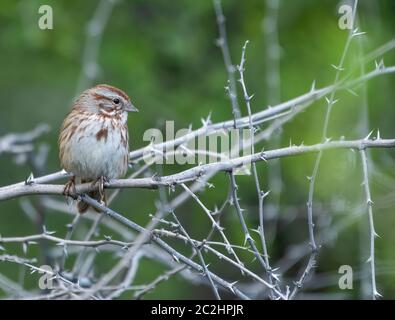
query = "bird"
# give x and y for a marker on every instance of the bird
(94, 140)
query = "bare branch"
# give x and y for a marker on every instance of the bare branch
(35, 188)
(222, 42)
(15, 143)
(372, 231)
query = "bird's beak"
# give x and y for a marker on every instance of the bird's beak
(131, 108)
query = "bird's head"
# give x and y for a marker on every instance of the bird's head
(105, 100)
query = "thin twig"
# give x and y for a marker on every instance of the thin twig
(222, 42)
(260, 193)
(372, 231)
(201, 258)
(312, 179)
(178, 256)
(215, 224)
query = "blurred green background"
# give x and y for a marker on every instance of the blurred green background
(163, 54)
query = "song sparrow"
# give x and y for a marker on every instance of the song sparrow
(93, 140)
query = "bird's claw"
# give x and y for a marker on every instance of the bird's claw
(69, 188)
(101, 181)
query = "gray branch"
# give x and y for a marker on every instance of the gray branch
(35, 187)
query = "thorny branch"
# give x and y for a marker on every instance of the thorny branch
(36, 187)
(373, 233)
(222, 42)
(312, 179)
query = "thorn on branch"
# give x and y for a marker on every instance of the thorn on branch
(30, 180)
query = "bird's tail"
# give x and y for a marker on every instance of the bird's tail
(83, 206)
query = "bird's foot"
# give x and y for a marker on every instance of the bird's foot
(69, 188)
(101, 181)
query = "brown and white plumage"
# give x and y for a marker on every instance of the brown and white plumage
(93, 140)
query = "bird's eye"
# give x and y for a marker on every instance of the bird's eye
(116, 100)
